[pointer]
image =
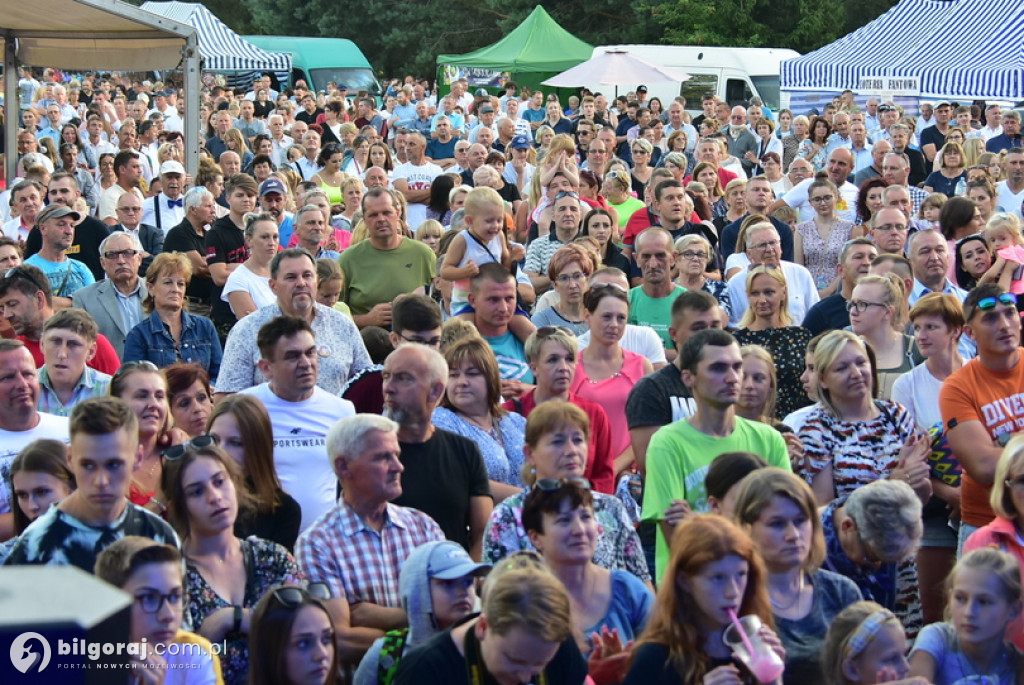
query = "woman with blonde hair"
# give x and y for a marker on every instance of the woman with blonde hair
(878, 313)
(714, 568)
(236, 142)
(768, 323)
(695, 258)
(951, 171)
(866, 644)
(778, 510)
(641, 150)
(759, 385)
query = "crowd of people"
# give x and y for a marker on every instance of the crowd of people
(478, 388)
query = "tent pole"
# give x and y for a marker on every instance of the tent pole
(191, 73)
(12, 108)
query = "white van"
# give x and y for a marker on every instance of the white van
(733, 74)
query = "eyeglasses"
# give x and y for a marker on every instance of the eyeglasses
(18, 272)
(432, 342)
(766, 245)
(572, 278)
(132, 210)
(292, 596)
(862, 306)
(822, 198)
(556, 484)
(690, 254)
(592, 151)
(175, 452)
(152, 602)
(114, 255)
(890, 227)
(639, 151)
(987, 303)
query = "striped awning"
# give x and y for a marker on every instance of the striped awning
(221, 48)
(966, 49)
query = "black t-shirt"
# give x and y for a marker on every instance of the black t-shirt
(224, 244)
(510, 193)
(659, 398)
(303, 115)
(933, 135)
(85, 246)
(651, 666)
(280, 525)
(827, 314)
(183, 238)
(440, 477)
(438, 662)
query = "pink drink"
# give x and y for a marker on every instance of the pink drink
(766, 668)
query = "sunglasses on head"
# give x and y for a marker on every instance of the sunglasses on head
(987, 303)
(292, 596)
(175, 452)
(548, 331)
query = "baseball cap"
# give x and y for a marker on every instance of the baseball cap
(482, 92)
(449, 561)
(641, 89)
(172, 167)
(272, 185)
(943, 103)
(520, 142)
(56, 211)
(486, 108)
(887, 108)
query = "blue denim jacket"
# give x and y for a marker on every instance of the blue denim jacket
(199, 343)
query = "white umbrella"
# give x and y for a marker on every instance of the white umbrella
(615, 67)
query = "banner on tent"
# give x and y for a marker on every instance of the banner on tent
(889, 86)
(478, 78)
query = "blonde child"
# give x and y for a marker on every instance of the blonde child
(1002, 232)
(866, 644)
(931, 208)
(984, 597)
(429, 233)
(329, 283)
(482, 242)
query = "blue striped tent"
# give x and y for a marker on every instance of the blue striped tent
(221, 48)
(965, 49)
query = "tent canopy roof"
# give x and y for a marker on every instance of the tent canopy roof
(967, 49)
(66, 34)
(539, 44)
(221, 48)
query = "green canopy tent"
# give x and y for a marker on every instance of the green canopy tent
(535, 50)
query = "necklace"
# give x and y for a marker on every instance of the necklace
(796, 597)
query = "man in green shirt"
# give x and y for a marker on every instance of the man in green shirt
(680, 453)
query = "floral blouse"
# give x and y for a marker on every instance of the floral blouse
(502, 449)
(267, 564)
(618, 546)
(788, 346)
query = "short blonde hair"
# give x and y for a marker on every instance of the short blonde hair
(165, 263)
(1002, 221)
(1001, 497)
(480, 197)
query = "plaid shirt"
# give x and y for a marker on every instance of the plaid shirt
(91, 384)
(354, 560)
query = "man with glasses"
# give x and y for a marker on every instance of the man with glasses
(115, 302)
(889, 231)
(104, 435)
(596, 156)
(765, 248)
(1011, 189)
(981, 402)
(129, 215)
(585, 132)
(740, 139)
(831, 312)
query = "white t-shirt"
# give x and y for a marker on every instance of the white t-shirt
(1009, 201)
(639, 339)
(803, 293)
(797, 198)
(300, 446)
(11, 442)
(419, 178)
(243, 280)
(918, 391)
(797, 419)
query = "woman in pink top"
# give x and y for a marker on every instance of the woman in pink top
(606, 372)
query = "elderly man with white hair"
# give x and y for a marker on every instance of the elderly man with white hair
(358, 546)
(280, 141)
(764, 247)
(116, 301)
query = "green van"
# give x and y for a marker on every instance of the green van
(319, 61)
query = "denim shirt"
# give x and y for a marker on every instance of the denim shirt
(199, 343)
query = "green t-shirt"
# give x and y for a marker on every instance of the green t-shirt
(678, 459)
(626, 209)
(373, 276)
(655, 313)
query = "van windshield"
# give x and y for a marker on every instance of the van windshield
(768, 89)
(355, 79)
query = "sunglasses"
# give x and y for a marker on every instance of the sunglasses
(616, 286)
(292, 596)
(175, 452)
(556, 484)
(548, 331)
(567, 193)
(143, 364)
(987, 303)
(18, 272)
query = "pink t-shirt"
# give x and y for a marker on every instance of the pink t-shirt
(611, 394)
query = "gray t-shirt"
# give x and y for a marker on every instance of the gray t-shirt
(952, 666)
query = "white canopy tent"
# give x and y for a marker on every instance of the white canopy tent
(95, 34)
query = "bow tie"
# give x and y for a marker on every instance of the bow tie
(171, 204)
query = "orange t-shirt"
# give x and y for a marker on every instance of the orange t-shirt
(996, 399)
